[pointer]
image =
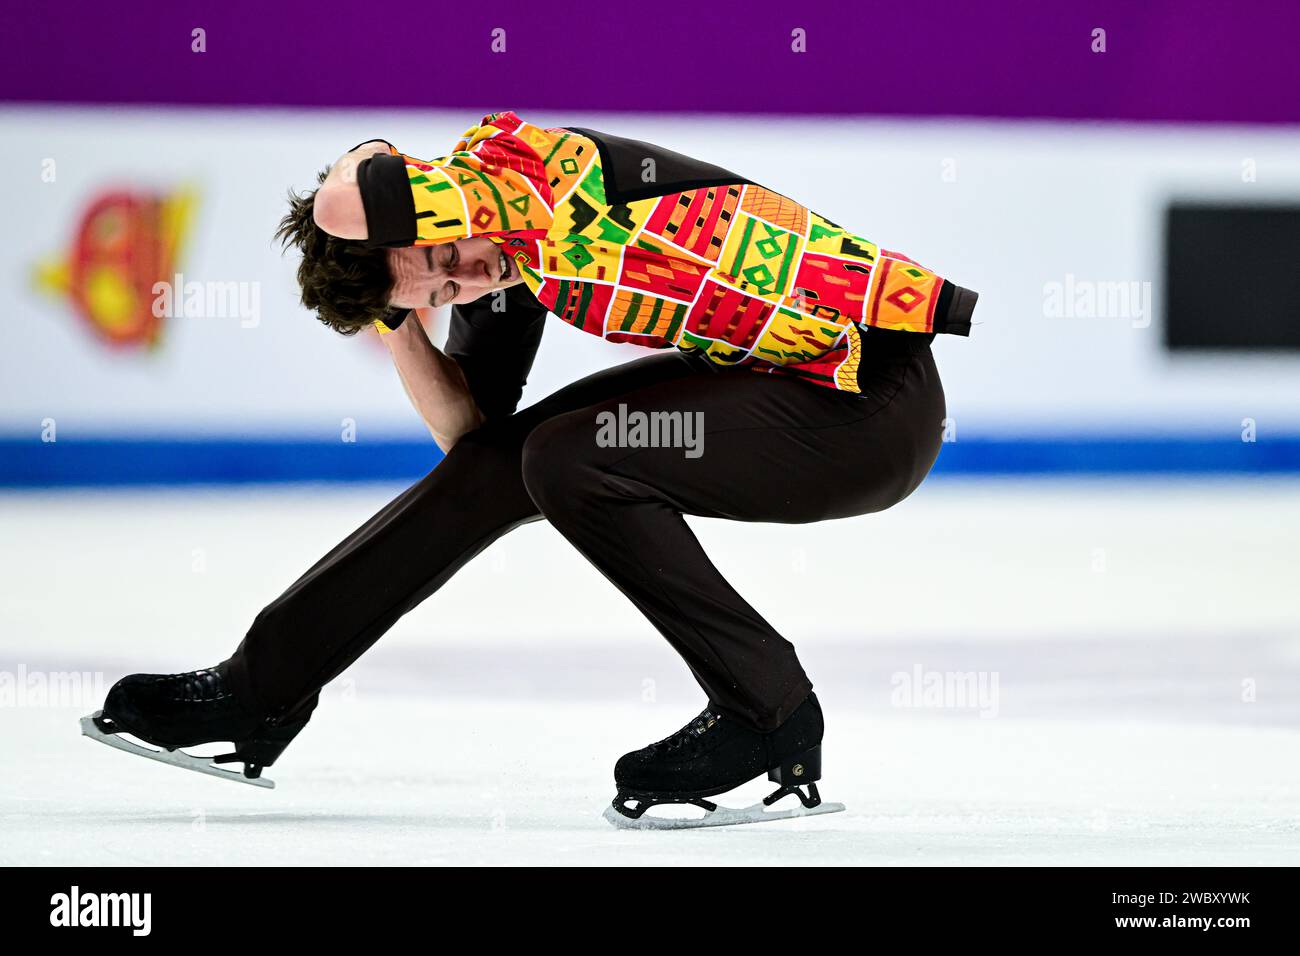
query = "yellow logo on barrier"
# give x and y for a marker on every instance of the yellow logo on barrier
(125, 242)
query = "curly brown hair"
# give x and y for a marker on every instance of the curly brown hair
(344, 282)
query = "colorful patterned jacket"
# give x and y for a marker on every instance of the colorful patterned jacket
(636, 243)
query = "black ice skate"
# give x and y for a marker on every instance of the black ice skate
(170, 711)
(713, 754)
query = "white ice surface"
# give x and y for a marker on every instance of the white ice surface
(1145, 637)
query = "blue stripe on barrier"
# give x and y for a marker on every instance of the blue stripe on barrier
(1165, 455)
(168, 461)
(106, 461)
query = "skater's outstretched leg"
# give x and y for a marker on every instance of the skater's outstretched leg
(265, 693)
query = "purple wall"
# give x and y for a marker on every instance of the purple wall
(1166, 60)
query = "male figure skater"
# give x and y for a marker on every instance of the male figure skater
(806, 348)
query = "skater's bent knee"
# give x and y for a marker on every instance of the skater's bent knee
(482, 451)
(553, 454)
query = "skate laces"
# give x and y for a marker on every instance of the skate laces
(689, 734)
(195, 686)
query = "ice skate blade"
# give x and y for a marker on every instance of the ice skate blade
(721, 817)
(176, 758)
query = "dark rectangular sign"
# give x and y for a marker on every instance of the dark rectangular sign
(1232, 276)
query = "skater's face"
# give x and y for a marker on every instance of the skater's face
(448, 273)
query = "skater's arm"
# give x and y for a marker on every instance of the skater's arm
(494, 341)
(435, 384)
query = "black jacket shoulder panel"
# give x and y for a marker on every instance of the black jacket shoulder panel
(622, 161)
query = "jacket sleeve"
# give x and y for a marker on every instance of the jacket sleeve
(495, 350)
(494, 182)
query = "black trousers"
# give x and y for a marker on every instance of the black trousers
(774, 449)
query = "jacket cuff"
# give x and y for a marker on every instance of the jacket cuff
(393, 320)
(386, 197)
(954, 309)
